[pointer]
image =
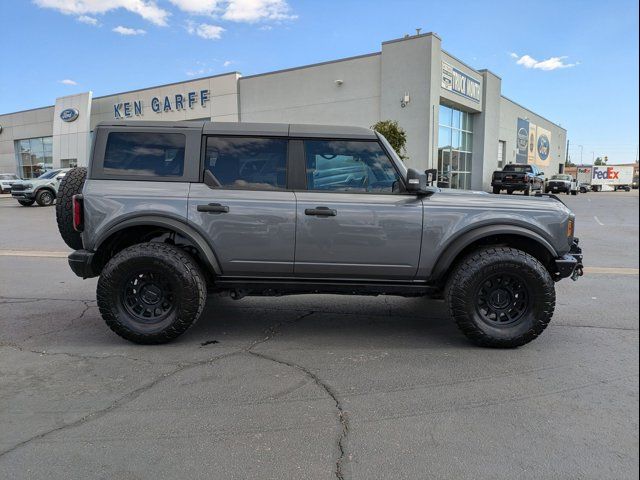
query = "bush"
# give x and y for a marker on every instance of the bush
(395, 135)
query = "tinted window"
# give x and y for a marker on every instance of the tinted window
(159, 154)
(349, 166)
(248, 163)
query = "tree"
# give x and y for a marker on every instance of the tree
(395, 135)
(601, 161)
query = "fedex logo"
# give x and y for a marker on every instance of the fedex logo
(606, 173)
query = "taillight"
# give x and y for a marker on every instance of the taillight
(78, 213)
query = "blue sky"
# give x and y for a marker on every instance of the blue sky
(574, 62)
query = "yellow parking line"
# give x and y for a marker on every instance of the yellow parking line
(33, 253)
(612, 270)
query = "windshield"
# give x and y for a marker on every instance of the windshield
(49, 174)
(8, 176)
(561, 177)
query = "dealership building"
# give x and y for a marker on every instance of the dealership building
(455, 117)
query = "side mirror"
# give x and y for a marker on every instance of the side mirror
(541, 173)
(417, 183)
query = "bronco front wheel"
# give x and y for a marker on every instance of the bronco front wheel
(501, 297)
(151, 293)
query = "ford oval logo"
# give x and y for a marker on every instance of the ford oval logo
(69, 114)
(543, 147)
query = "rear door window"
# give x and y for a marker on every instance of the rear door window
(145, 154)
(247, 162)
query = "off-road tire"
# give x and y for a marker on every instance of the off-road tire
(496, 190)
(167, 262)
(26, 203)
(45, 198)
(469, 276)
(70, 185)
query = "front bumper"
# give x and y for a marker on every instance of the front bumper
(570, 264)
(23, 195)
(81, 262)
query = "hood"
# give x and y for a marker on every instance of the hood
(477, 199)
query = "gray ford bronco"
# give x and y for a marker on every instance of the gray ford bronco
(167, 213)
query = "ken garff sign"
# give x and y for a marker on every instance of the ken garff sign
(169, 103)
(457, 82)
(69, 114)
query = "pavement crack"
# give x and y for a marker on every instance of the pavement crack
(274, 329)
(71, 323)
(342, 414)
(118, 403)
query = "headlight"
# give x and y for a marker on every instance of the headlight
(28, 186)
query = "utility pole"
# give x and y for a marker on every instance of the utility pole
(581, 148)
(566, 156)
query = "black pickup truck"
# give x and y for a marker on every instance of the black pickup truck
(518, 177)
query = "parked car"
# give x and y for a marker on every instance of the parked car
(585, 187)
(562, 183)
(170, 213)
(518, 178)
(6, 180)
(43, 189)
(624, 188)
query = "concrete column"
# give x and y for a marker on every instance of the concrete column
(411, 66)
(486, 129)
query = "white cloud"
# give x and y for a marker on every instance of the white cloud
(197, 7)
(226, 63)
(147, 9)
(206, 31)
(551, 63)
(88, 20)
(68, 81)
(256, 10)
(128, 31)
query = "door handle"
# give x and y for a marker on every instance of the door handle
(321, 212)
(213, 208)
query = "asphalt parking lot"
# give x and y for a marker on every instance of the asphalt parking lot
(318, 387)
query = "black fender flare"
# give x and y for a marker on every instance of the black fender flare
(174, 224)
(462, 241)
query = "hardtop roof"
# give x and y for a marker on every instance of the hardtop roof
(257, 129)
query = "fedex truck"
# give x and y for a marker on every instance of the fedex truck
(611, 177)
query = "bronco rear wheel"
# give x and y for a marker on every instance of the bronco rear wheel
(501, 297)
(70, 185)
(151, 293)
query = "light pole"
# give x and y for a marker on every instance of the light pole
(593, 157)
(581, 148)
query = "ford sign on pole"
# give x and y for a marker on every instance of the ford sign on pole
(69, 114)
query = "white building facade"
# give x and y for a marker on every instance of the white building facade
(455, 117)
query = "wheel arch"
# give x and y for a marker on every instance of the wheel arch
(142, 228)
(514, 236)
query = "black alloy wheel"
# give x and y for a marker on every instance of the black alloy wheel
(502, 300)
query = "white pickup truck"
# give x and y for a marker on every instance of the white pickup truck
(562, 182)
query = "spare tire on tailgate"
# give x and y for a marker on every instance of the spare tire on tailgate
(70, 185)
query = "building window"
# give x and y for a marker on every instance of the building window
(455, 146)
(502, 149)
(35, 156)
(68, 162)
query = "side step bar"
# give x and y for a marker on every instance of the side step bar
(241, 287)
